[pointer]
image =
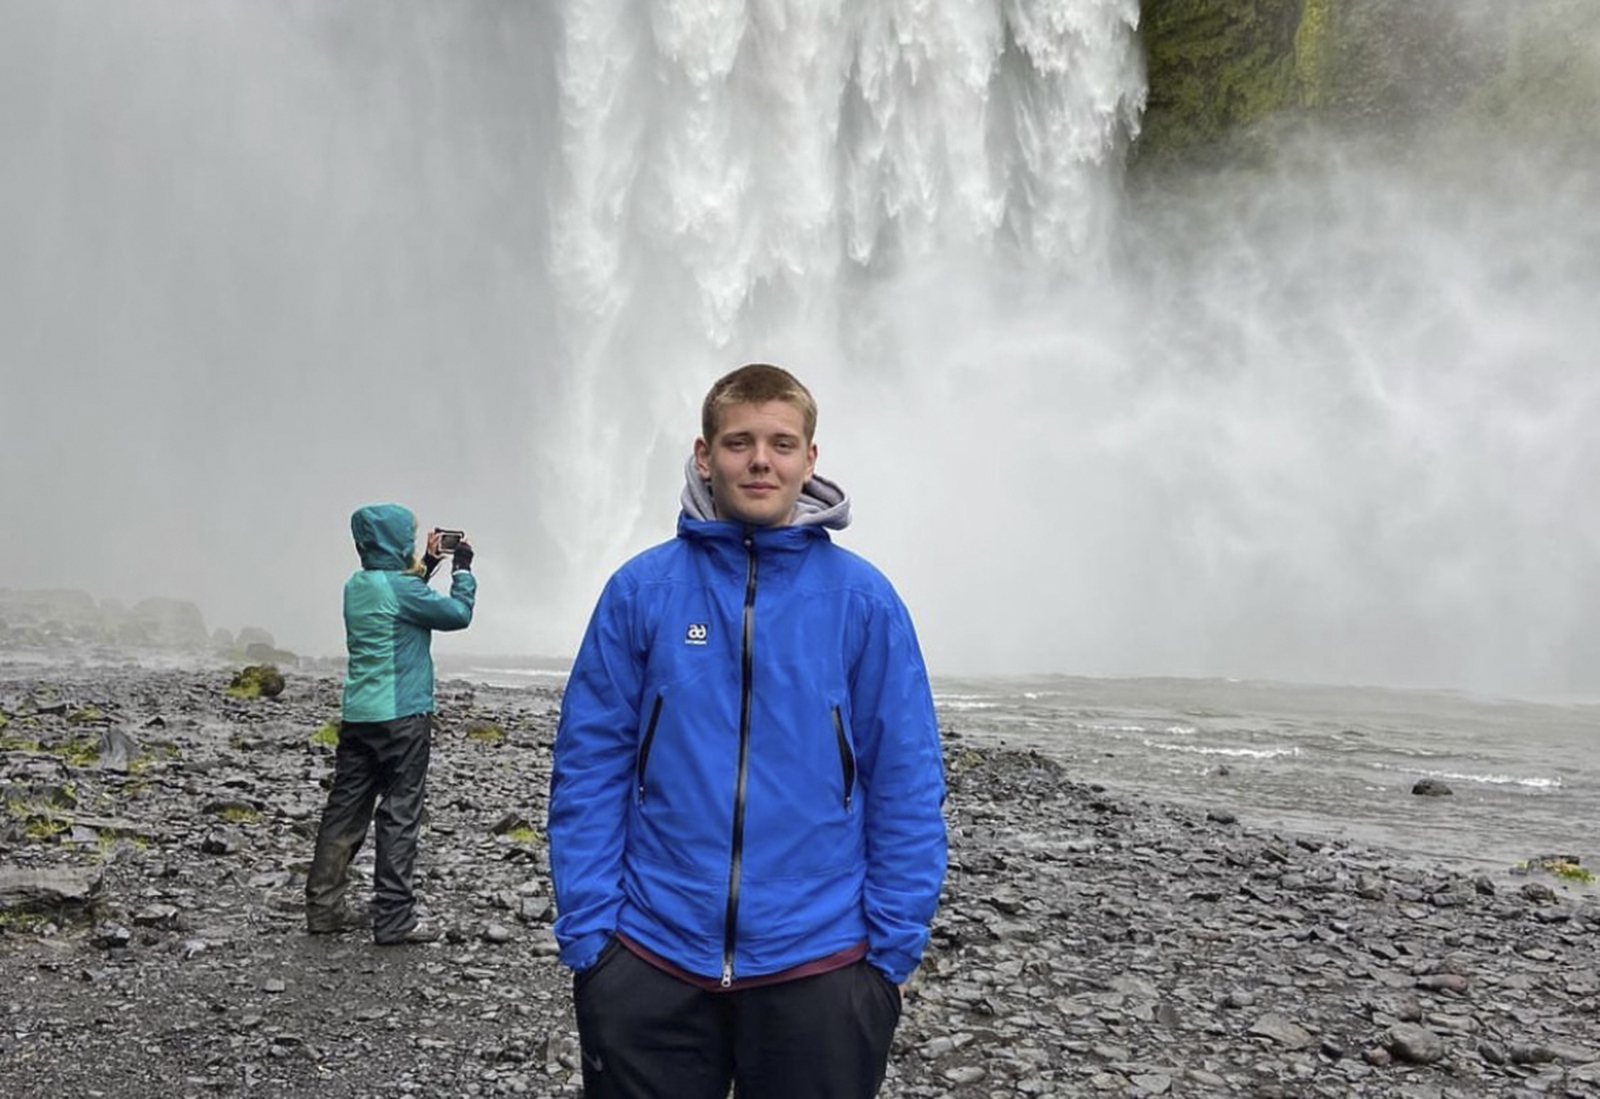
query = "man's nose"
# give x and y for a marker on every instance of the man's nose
(760, 457)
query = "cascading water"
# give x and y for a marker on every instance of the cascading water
(744, 178)
(1317, 423)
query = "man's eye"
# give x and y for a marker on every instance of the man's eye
(784, 444)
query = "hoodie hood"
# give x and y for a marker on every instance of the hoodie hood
(822, 503)
(386, 536)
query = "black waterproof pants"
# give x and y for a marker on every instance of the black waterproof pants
(644, 1034)
(382, 765)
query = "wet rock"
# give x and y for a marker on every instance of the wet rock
(156, 915)
(1538, 892)
(49, 890)
(1281, 1030)
(1370, 887)
(222, 842)
(1523, 1054)
(1415, 1044)
(116, 749)
(510, 822)
(112, 936)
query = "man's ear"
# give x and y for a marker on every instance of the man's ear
(702, 458)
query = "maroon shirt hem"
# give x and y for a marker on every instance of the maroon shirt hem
(839, 959)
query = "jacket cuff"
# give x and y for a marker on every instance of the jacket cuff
(896, 965)
(583, 952)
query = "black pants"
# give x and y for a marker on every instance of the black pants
(647, 1035)
(380, 765)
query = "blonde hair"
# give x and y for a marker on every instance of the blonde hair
(757, 383)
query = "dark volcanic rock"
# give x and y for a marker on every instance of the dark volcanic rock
(49, 890)
(1087, 943)
(1432, 788)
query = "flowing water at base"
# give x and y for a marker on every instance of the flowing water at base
(1336, 762)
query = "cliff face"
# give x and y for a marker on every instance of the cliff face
(1227, 77)
(1215, 67)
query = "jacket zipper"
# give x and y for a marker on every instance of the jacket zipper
(746, 667)
(644, 745)
(847, 759)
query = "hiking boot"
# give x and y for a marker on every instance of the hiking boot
(333, 923)
(421, 931)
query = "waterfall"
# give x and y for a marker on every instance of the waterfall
(738, 176)
(1322, 420)
(1328, 417)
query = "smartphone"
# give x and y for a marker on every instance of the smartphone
(449, 540)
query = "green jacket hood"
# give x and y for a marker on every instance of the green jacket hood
(386, 536)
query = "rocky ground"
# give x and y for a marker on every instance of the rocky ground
(156, 833)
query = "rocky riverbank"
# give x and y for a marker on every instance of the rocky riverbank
(156, 833)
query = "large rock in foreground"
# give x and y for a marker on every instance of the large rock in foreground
(56, 891)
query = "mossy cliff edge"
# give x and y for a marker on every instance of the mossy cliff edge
(1226, 77)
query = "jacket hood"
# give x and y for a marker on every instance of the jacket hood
(386, 536)
(822, 503)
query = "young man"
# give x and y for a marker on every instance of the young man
(381, 763)
(745, 826)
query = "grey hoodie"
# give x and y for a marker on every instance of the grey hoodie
(822, 503)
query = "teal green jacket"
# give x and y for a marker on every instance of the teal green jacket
(389, 618)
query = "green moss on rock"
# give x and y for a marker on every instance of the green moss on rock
(21, 921)
(1214, 66)
(1227, 77)
(256, 681)
(487, 732)
(78, 753)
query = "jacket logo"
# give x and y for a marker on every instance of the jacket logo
(696, 634)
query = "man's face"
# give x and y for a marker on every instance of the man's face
(757, 463)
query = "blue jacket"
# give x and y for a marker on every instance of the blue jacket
(747, 769)
(390, 614)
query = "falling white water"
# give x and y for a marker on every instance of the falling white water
(1321, 422)
(739, 176)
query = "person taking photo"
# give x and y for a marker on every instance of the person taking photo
(381, 763)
